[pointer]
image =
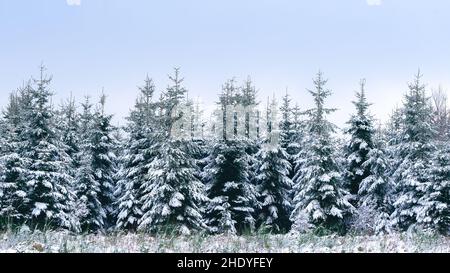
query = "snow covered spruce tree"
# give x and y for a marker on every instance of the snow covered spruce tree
(12, 185)
(290, 131)
(68, 129)
(49, 184)
(434, 212)
(274, 187)
(135, 162)
(375, 191)
(90, 211)
(104, 160)
(298, 139)
(357, 149)
(435, 203)
(233, 196)
(318, 185)
(414, 153)
(246, 99)
(227, 174)
(172, 193)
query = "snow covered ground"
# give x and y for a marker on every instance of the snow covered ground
(138, 243)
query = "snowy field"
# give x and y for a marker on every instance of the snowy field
(141, 243)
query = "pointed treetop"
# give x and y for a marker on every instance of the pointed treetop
(416, 86)
(148, 89)
(175, 92)
(227, 97)
(286, 105)
(361, 103)
(320, 93)
(248, 93)
(103, 101)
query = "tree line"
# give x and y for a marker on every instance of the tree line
(68, 167)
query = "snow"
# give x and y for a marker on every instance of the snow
(336, 212)
(38, 208)
(175, 201)
(58, 242)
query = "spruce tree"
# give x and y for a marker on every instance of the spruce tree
(274, 187)
(68, 128)
(228, 175)
(136, 160)
(413, 153)
(172, 193)
(288, 129)
(375, 190)
(434, 212)
(318, 184)
(90, 211)
(13, 196)
(46, 172)
(298, 139)
(247, 98)
(360, 144)
(233, 196)
(103, 161)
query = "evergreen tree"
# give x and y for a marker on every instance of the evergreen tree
(298, 139)
(12, 184)
(233, 197)
(356, 151)
(229, 176)
(392, 136)
(136, 160)
(46, 174)
(274, 186)
(247, 98)
(172, 198)
(375, 190)
(318, 183)
(172, 193)
(68, 129)
(435, 203)
(288, 133)
(413, 154)
(90, 211)
(103, 162)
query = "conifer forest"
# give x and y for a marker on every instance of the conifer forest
(249, 168)
(224, 135)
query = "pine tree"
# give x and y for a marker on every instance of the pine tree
(360, 144)
(288, 133)
(173, 197)
(90, 211)
(233, 197)
(413, 154)
(103, 162)
(68, 129)
(172, 193)
(12, 185)
(136, 160)
(274, 186)
(229, 176)
(318, 183)
(435, 203)
(247, 98)
(48, 181)
(297, 139)
(375, 190)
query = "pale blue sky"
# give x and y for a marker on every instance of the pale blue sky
(115, 43)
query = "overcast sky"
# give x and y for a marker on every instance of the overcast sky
(90, 44)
